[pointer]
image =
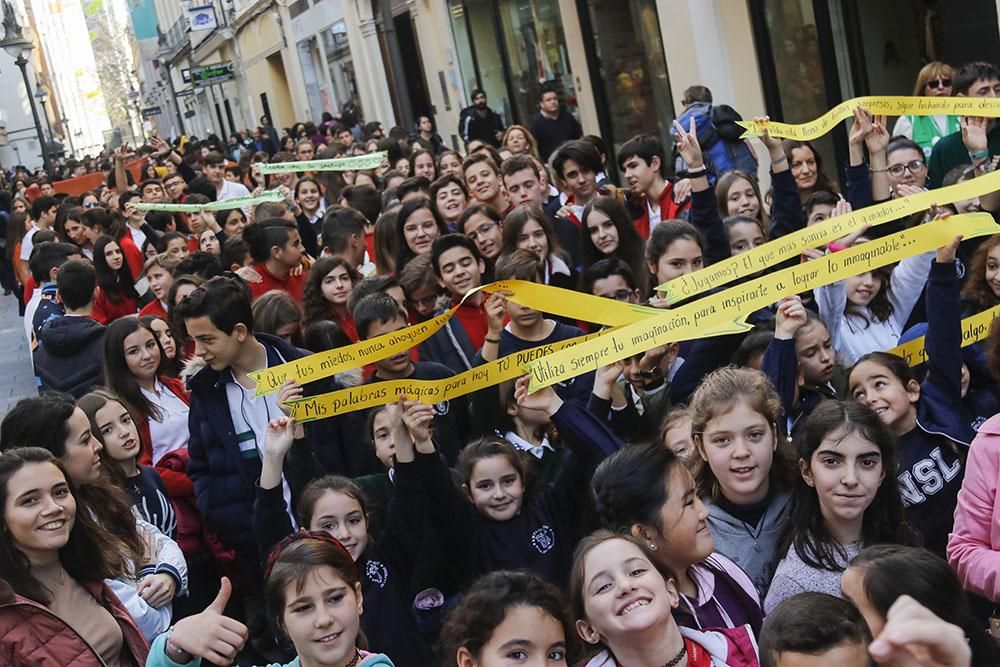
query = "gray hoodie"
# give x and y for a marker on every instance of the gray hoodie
(754, 548)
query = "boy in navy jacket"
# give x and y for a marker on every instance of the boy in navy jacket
(228, 424)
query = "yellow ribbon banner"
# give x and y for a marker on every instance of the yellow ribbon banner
(353, 163)
(790, 245)
(974, 329)
(224, 205)
(375, 394)
(683, 323)
(880, 105)
(562, 302)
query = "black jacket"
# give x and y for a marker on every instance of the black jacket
(70, 355)
(473, 126)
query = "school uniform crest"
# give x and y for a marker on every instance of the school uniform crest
(543, 539)
(442, 408)
(377, 573)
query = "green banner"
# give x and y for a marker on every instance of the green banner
(224, 205)
(355, 163)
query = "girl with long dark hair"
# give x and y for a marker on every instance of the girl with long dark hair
(608, 231)
(52, 582)
(847, 498)
(325, 295)
(116, 296)
(153, 568)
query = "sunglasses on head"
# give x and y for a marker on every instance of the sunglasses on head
(939, 83)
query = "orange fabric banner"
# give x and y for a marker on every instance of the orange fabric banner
(80, 184)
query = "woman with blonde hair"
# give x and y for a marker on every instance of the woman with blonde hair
(519, 141)
(933, 80)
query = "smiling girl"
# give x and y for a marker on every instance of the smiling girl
(623, 603)
(493, 522)
(154, 567)
(527, 227)
(116, 296)
(417, 225)
(56, 559)
(646, 491)
(451, 198)
(314, 598)
(325, 295)
(844, 501)
(337, 507)
(112, 423)
(743, 467)
(867, 312)
(982, 288)
(932, 425)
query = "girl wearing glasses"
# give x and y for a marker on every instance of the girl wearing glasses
(906, 167)
(933, 80)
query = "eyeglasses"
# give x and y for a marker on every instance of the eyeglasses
(623, 295)
(481, 230)
(914, 167)
(91, 204)
(939, 83)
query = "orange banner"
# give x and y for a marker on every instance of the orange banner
(77, 186)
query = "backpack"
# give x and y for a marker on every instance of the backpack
(719, 138)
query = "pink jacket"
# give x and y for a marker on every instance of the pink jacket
(32, 636)
(974, 544)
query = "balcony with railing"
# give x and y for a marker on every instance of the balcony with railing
(175, 39)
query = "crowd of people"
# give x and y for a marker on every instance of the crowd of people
(795, 494)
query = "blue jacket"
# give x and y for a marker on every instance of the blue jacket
(940, 409)
(451, 346)
(225, 481)
(931, 457)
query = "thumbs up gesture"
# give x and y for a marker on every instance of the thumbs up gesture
(209, 635)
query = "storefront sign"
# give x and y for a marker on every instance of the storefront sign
(208, 75)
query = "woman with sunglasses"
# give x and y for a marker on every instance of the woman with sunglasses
(933, 80)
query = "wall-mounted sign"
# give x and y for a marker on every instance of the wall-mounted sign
(202, 18)
(207, 75)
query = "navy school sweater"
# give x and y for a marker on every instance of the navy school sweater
(931, 457)
(578, 387)
(384, 568)
(540, 536)
(451, 418)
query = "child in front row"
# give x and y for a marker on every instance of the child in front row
(844, 501)
(742, 468)
(335, 505)
(492, 523)
(932, 426)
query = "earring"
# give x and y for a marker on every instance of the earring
(652, 547)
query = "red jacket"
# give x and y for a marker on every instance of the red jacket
(177, 483)
(291, 284)
(31, 635)
(107, 311)
(154, 308)
(669, 209)
(132, 254)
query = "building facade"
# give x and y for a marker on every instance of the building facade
(621, 66)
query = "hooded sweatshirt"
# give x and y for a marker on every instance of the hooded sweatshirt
(70, 355)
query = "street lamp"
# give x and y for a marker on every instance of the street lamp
(67, 134)
(18, 48)
(42, 97)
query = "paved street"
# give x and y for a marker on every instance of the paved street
(15, 357)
